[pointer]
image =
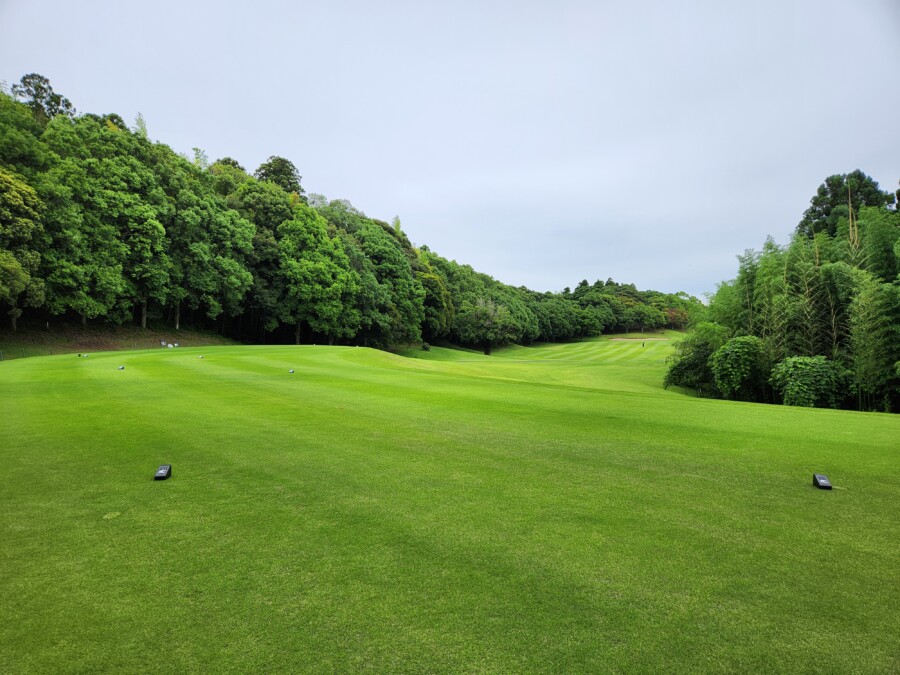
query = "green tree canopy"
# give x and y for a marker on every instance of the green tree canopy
(20, 225)
(689, 365)
(282, 172)
(36, 92)
(831, 201)
(740, 370)
(811, 381)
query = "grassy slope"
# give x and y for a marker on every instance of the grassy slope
(70, 339)
(546, 508)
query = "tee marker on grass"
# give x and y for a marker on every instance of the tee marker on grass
(821, 481)
(164, 471)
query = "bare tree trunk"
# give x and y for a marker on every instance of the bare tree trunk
(297, 334)
(178, 315)
(83, 320)
(144, 313)
(12, 318)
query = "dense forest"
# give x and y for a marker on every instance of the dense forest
(815, 322)
(100, 224)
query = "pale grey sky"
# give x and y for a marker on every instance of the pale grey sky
(541, 143)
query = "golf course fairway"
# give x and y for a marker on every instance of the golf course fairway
(544, 509)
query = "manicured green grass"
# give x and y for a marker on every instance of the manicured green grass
(548, 508)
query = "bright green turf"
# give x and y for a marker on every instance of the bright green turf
(543, 509)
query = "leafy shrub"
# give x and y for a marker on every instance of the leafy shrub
(689, 364)
(811, 381)
(739, 367)
(426, 346)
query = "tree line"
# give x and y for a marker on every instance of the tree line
(99, 223)
(815, 322)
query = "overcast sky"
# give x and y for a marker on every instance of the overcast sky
(541, 143)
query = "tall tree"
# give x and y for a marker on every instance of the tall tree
(283, 173)
(20, 145)
(20, 212)
(485, 323)
(741, 369)
(38, 95)
(316, 276)
(85, 257)
(140, 126)
(873, 333)
(267, 206)
(209, 243)
(438, 302)
(831, 200)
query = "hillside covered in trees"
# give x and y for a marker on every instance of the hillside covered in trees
(812, 323)
(99, 223)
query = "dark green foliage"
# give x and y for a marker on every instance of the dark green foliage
(811, 381)
(280, 171)
(316, 276)
(233, 163)
(740, 369)
(875, 342)
(398, 314)
(20, 213)
(123, 229)
(831, 202)
(38, 95)
(209, 245)
(879, 231)
(689, 365)
(227, 177)
(85, 256)
(438, 303)
(389, 299)
(486, 324)
(20, 145)
(833, 294)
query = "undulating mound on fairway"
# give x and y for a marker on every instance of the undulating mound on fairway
(547, 508)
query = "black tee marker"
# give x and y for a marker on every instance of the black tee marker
(164, 471)
(821, 481)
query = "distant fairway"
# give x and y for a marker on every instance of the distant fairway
(547, 508)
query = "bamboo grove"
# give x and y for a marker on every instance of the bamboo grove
(815, 322)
